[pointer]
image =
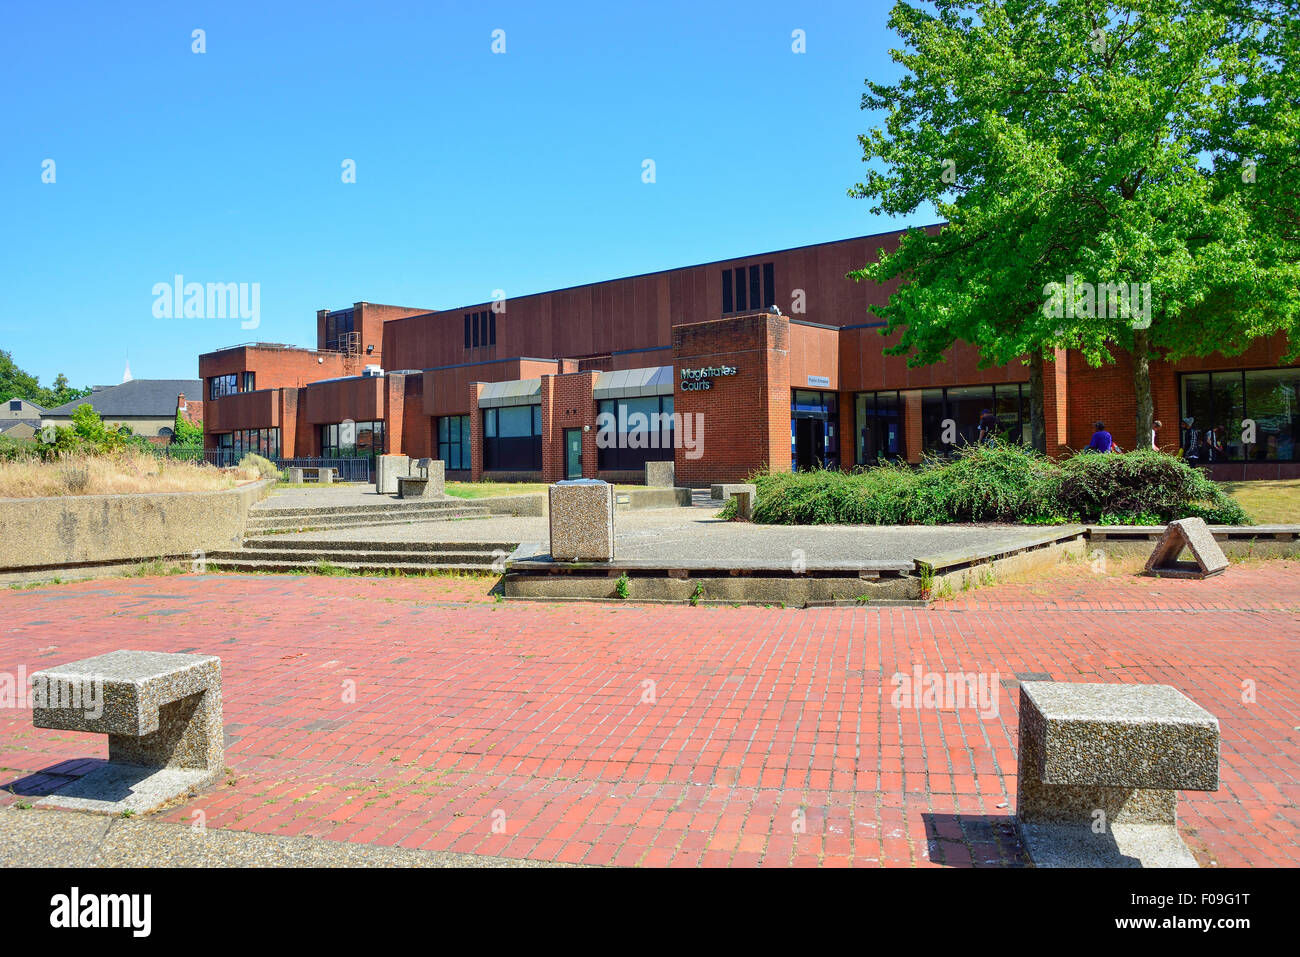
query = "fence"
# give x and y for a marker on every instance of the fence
(346, 469)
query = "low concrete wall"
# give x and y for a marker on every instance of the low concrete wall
(530, 503)
(74, 530)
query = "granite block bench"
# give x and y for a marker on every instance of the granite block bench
(324, 474)
(162, 715)
(1099, 769)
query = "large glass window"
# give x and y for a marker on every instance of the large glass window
(512, 438)
(1239, 416)
(952, 417)
(878, 420)
(342, 440)
(220, 385)
(264, 442)
(453, 441)
(634, 431)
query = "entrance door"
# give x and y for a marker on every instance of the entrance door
(573, 453)
(807, 444)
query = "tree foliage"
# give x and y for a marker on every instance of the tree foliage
(1148, 143)
(17, 384)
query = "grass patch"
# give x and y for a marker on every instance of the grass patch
(1268, 502)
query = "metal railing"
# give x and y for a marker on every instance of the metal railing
(346, 468)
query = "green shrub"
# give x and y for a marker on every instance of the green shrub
(265, 467)
(13, 450)
(999, 482)
(1143, 483)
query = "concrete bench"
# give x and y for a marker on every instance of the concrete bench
(162, 715)
(324, 474)
(1099, 769)
(745, 494)
(431, 483)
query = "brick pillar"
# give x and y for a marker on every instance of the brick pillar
(1056, 403)
(568, 402)
(475, 433)
(913, 442)
(848, 429)
(394, 413)
(288, 402)
(552, 450)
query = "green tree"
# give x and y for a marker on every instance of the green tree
(17, 384)
(1095, 145)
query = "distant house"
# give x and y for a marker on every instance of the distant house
(19, 409)
(147, 406)
(20, 418)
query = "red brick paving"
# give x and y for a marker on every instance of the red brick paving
(770, 738)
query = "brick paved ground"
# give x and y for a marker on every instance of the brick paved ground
(771, 738)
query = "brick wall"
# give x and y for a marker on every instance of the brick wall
(568, 403)
(746, 416)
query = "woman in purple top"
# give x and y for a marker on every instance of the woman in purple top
(1101, 439)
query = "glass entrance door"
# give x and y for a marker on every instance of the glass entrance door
(573, 453)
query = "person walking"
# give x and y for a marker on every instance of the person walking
(988, 426)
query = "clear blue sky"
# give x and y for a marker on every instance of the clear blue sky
(475, 171)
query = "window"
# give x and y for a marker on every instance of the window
(15, 405)
(1217, 409)
(512, 438)
(633, 432)
(263, 442)
(247, 384)
(220, 385)
(453, 441)
(338, 330)
(878, 424)
(951, 417)
(749, 289)
(480, 329)
(347, 440)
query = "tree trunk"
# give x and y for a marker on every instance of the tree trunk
(1037, 416)
(1142, 387)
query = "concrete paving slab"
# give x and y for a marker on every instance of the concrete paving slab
(47, 838)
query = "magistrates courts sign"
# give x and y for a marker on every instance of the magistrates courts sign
(699, 380)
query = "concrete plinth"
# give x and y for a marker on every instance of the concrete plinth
(388, 468)
(582, 521)
(660, 474)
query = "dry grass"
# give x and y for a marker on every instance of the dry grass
(121, 473)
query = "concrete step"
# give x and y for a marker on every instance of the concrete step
(364, 567)
(380, 505)
(333, 545)
(342, 556)
(315, 522)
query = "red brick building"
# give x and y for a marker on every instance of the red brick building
(768, 360)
